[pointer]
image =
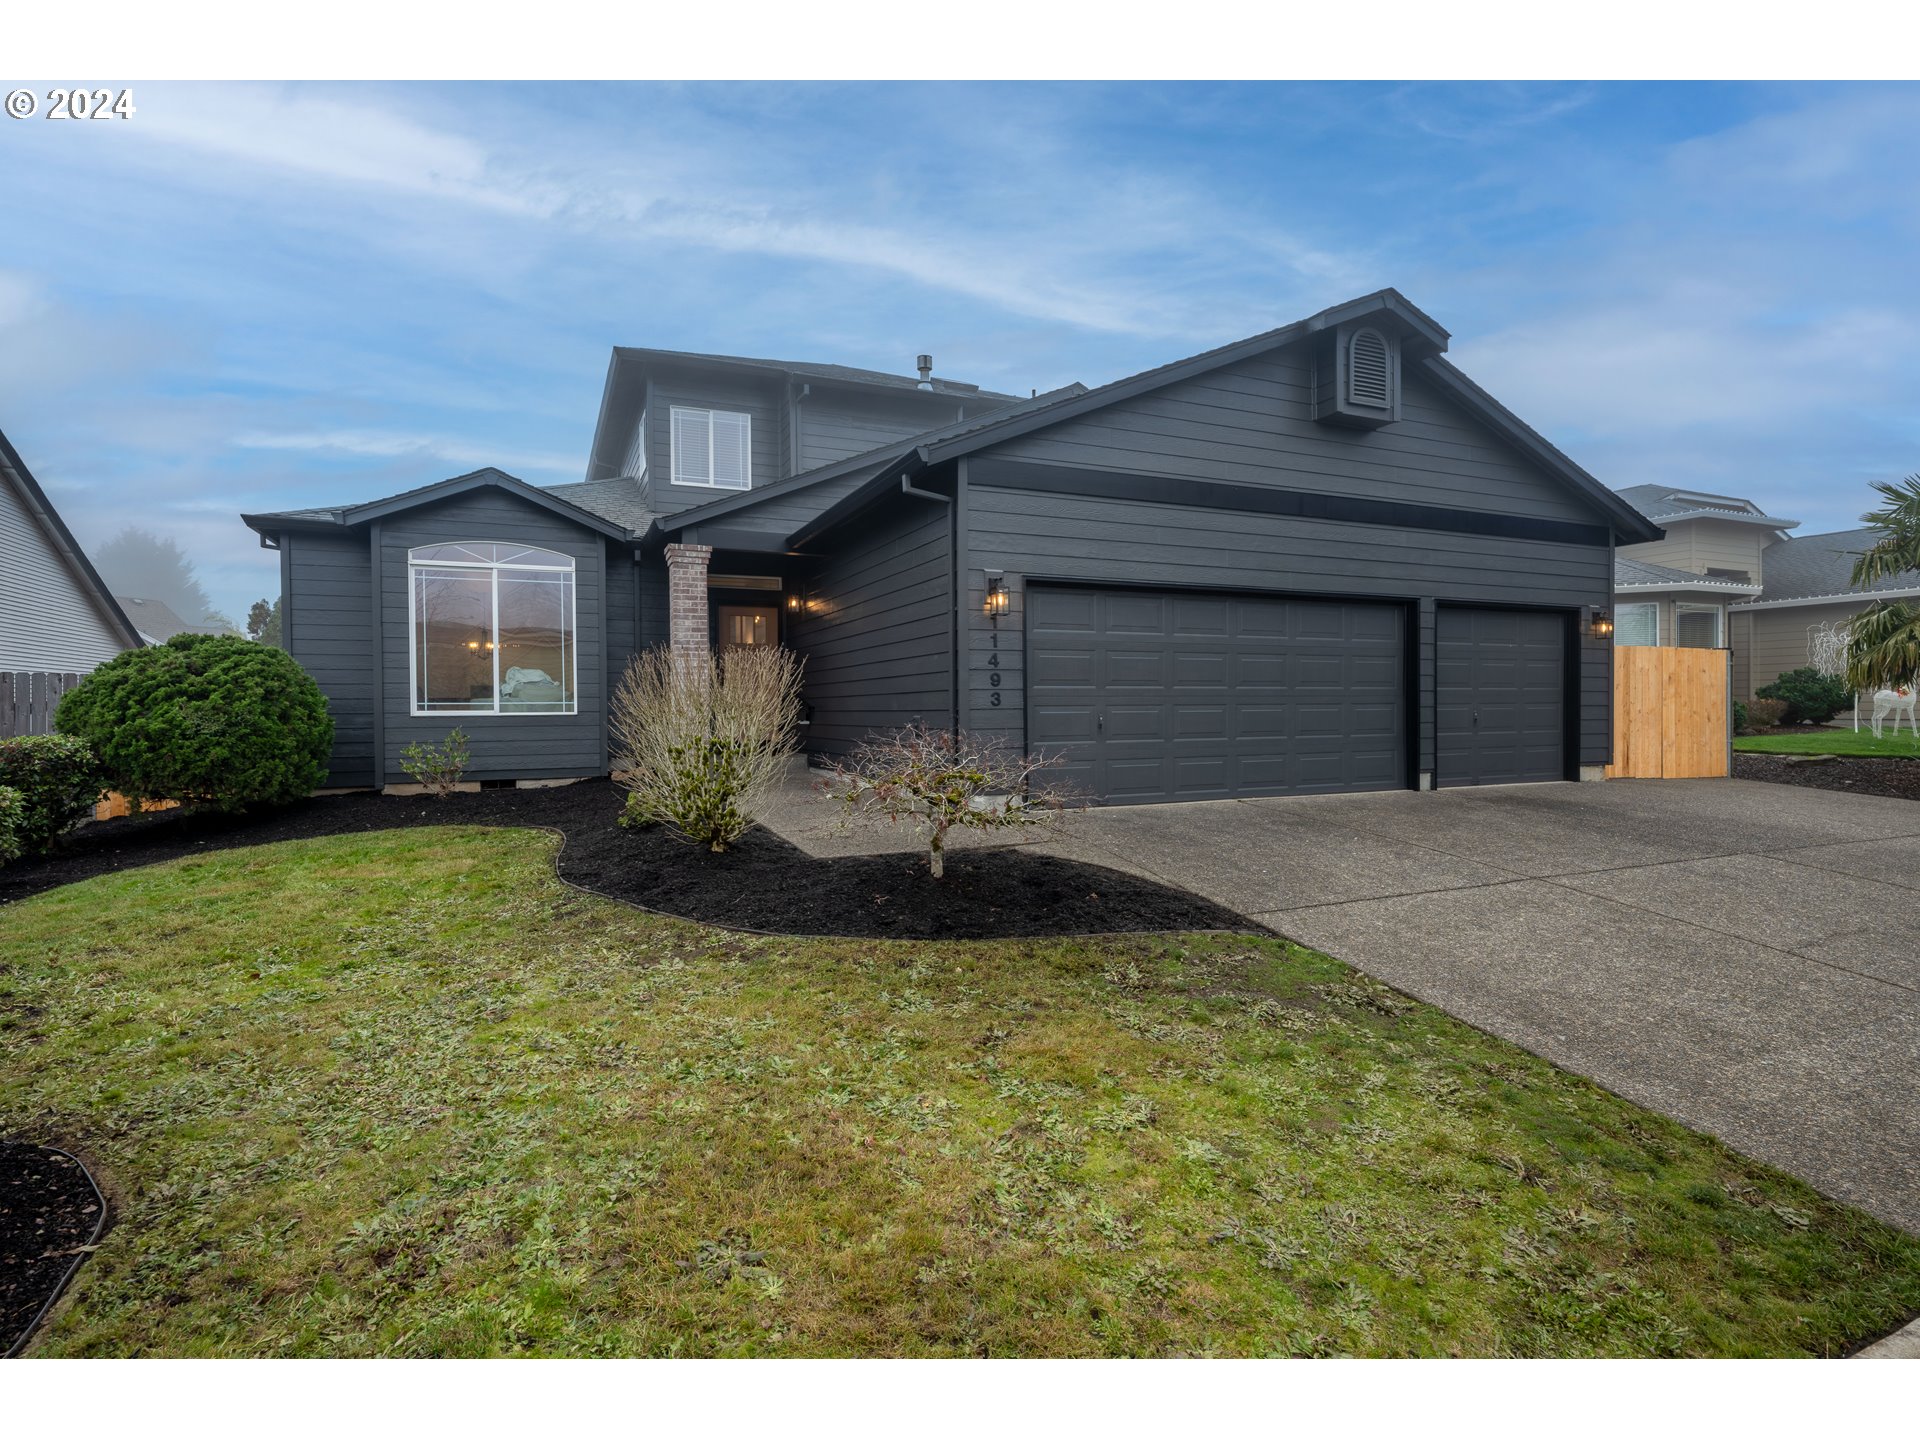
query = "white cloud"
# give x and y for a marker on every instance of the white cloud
(1068, 251)
(388, 445)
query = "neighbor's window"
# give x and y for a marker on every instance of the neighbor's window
(1697, 626)
(712, 447)
(492, 630)
(1636, 625)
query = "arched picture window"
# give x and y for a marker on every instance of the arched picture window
(1370, 370)
(492, 629)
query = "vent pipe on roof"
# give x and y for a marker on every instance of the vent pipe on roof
(925, 364)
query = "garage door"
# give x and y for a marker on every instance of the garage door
(1500, 696)
(1170, 696)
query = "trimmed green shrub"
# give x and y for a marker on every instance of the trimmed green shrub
(10, 807)
(1740, 725)
(206, 720)
(57, 779)
(1811, 697)
(1765, 714)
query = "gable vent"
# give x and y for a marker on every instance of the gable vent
(1369, 370)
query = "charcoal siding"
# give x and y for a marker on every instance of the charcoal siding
(504, 747)
(1064, 537)
(878, 627)
(1251, 423)
(327, 620)
(762, 402)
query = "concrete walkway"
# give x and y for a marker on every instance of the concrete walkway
(1743, 957)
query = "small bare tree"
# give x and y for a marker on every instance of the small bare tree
(935, 781)
(702, 738)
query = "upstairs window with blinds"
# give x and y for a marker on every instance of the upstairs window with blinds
(712, 448)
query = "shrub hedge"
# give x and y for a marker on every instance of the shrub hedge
(56, 777)
(10, 846)
(206, 720)
(1811, 697)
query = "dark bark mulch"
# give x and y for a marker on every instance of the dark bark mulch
(49, 1214)
(1893, 776)
(765, 883)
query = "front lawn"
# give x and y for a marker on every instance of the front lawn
(405, 1093)
(1820, 740)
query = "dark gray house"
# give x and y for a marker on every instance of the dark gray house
(1320, 559)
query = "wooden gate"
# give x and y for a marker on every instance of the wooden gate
(1670, 719)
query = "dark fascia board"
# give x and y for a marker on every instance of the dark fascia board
(884, 483)
(594, 462)
(82, 568)
(489, 477)
(714, 509)
(1630, 526)
(1382, 302)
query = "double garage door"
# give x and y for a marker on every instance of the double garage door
(1169, 695)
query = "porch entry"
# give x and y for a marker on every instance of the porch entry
(748, 625)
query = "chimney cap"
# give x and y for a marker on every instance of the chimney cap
(924, 363)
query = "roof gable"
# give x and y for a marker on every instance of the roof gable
(1422, 339)
(486, 478)
(14, 472)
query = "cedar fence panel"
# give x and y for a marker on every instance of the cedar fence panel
(1670, 713)
(28, 698)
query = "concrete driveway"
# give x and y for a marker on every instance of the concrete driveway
(1743, 957)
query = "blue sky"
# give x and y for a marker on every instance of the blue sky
(257, 297)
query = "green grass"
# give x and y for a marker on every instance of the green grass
(406, 1094)
(1819, 740)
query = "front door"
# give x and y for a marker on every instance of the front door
(748, 625)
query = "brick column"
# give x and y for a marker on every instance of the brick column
(687, 601)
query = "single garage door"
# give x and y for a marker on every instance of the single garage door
(1159, 696)
(1500, 683)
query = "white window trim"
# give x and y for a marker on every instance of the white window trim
(493, 567)
(673, 446)
(1653, 605)
(1719, 625)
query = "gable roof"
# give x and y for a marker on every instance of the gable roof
(1810, 567)
(812, 370)
(1667, 503)
(567, 506)
(1640, 575)
(1422, 333)
(159, 622)
(60, 539)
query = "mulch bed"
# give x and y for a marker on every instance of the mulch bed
(49, 1214)
(1892, 776)
(764, 883)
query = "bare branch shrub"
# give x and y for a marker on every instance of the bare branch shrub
(702, 738)
(935, 781)
(437, 768)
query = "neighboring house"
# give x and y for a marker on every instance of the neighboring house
(55, 613)
(1728, 574)
(158, 622)
(1319, 559)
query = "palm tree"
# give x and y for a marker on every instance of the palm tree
(1883, 642)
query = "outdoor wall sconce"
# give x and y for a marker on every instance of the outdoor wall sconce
(793, 602)
(996, 593)
(1602, 623)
